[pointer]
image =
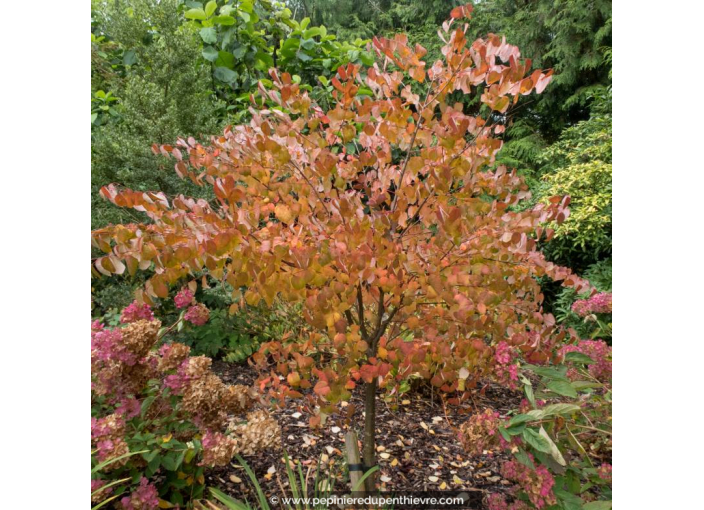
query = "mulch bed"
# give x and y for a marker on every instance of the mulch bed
(417, 449)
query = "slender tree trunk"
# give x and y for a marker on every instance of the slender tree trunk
(369, 454)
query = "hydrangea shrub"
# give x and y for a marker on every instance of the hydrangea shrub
(559, 440)
(168, 406)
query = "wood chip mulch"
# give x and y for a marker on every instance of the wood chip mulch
(417, 446)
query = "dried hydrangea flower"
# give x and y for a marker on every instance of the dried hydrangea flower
(172, 355)
(481, 432)
(97, 496)
(107, 436)
(144, 497)
(197, 314)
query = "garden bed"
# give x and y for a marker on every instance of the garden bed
(417, 448)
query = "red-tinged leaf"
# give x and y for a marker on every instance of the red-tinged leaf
(181, 169)
(463, 11)
(321, 388)
(543, 81)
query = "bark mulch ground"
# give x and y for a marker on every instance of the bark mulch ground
(417, 446)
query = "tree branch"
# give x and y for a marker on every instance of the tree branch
(360, 313)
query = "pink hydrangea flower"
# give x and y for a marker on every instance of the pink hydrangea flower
(129, 408)
(97, 484)
(97, 497)
(107, 345)
(135, 312)
(189, 370)
(506, 370)
(536, 483)
(503, 353)
(105, 426)
(599, 351)
(184, 298)
(604, 471)
(601, 303)
(497, 501)
(144, 497)
(107, 434)
(180, 379)
(598, 303)
(197, 314)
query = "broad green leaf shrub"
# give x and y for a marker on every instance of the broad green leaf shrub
(237, 329)
(243, 40)
(559, 440)
(235, 337)
(599, 275)
(107, 67)
(103, 108)
(164, 94)
(223, 335)
(159, 415)
(579, 165)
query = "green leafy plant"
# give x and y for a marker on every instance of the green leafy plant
(314, 484)
(571, 438)
(223, 334)
(236, 332)
(102, 107)
(560, 438)
(164, 94)
(243, 40)
(579, 165)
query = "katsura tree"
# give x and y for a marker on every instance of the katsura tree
(383, 214)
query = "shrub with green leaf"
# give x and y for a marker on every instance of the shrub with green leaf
(163, 95)
(579, 165)
(559, 439)
(242, 40)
